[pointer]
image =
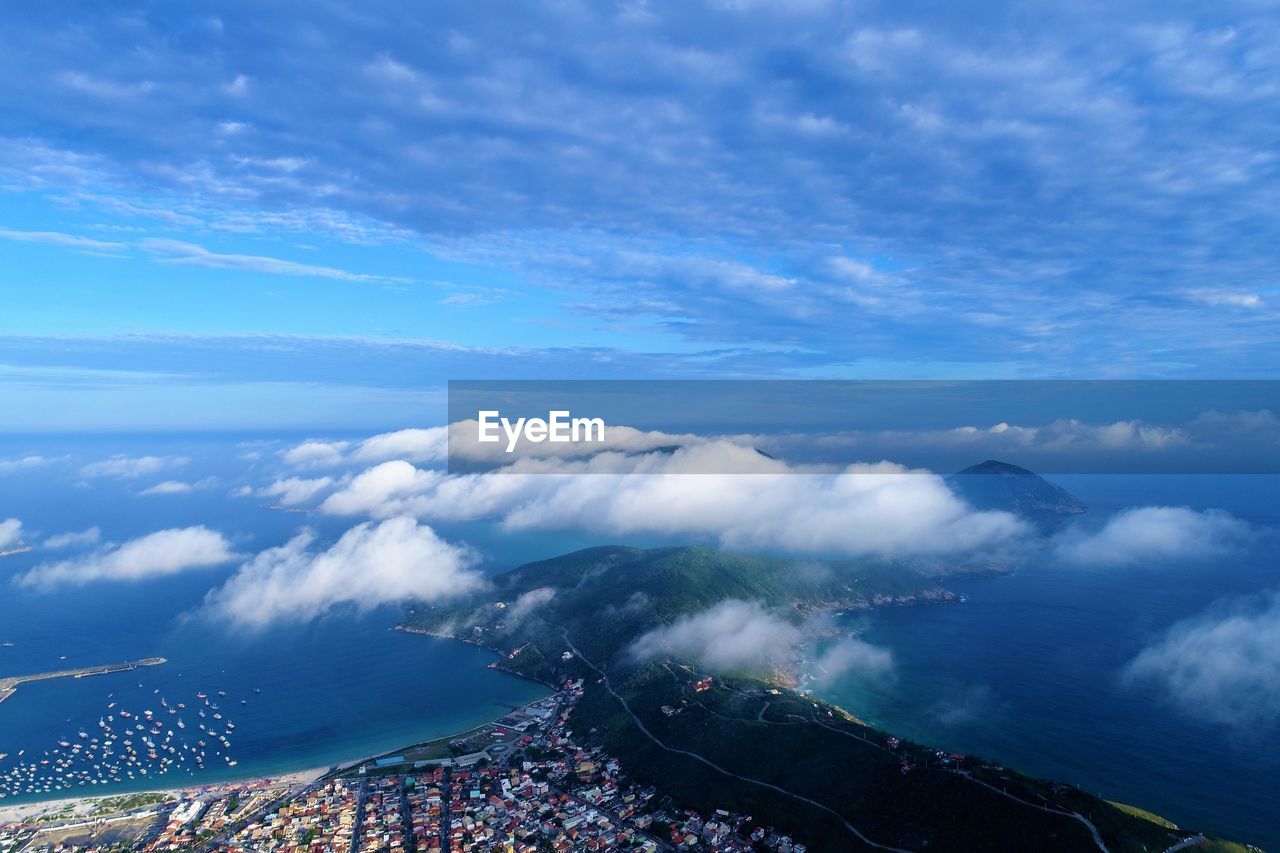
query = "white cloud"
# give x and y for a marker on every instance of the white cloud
(852, 654)
(414, 445)
(732, 635)
(21, 463)
(292, 491)
(1222, 666)
(73, 539)
(168, 487)
(741, 635)
(129, 467)
(1066, 435)
(1216, 297)
(436, 444)
(463, 444)
(881, 508)
(179, 487)
(66, 241)
(10, 533)
(190, 254)
(316, 454)
(529, 602)
(381, 491)
(1154, 533)
(369, 565)
(165, 552)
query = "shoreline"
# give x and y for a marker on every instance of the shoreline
(496, 665)
(24, 812)
(8, 810)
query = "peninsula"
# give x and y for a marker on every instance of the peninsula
(716, 737)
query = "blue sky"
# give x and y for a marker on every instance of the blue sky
(312, 215)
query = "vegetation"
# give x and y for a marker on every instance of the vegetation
(756, 731)
(844, 765)
(607, 596)
(123, 803)
(1144, 814)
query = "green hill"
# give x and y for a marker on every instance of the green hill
(607, 596)
(744, 741)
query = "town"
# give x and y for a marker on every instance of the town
(522, 783)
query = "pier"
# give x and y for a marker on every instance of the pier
(9, 684)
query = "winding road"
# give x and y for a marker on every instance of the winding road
(1097, 838)
(640, 723)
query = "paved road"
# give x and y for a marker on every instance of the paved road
(446, 795)
(640, 723)
(406, 819)
(1193, 841)
(1097, 838)
(360, 801)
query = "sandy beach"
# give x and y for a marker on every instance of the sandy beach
(79, 806)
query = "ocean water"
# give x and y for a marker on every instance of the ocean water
(1029, 670)
(302, 694)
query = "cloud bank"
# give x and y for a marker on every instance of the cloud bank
(437, 444)
(880, 508)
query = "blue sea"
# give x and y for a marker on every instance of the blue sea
(1026, 671)
(302, 695)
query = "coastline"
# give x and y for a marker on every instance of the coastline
(496, 665)
(26, 812)
(54, 813)
(29, 811)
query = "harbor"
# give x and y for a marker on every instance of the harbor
(128, 745)
(9, 684)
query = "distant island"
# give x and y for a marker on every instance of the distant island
(995, 485)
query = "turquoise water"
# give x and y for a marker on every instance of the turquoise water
(1028, 672)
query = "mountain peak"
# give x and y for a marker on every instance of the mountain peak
(995, 466)
(996, 485)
